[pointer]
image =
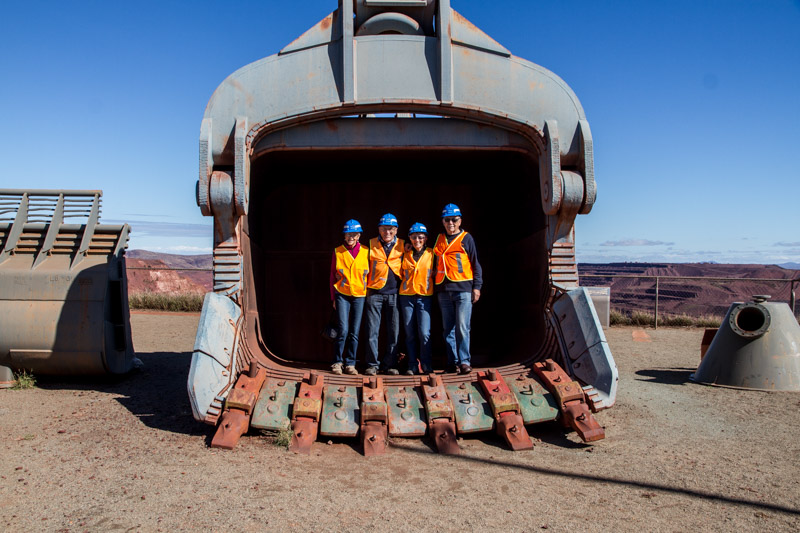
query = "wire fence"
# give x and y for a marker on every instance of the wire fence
(668, 297)
(665, 297)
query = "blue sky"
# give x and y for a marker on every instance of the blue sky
(693, 105)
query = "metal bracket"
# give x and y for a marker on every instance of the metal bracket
(406, 414)
(441, 416)
(506, 410)
(239, 406)
(306, 412)
(339, 408)
(374, 417)
(571, 400)
(272, 408)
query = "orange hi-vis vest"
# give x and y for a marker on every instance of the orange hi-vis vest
(452, 261)
(351, 272)
(379, 264)
(417, 276)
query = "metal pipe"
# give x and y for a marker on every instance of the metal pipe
(655, 314)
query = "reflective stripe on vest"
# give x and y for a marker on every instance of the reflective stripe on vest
(380, 265)
(452, 261)
(416, 275)
(351, 273)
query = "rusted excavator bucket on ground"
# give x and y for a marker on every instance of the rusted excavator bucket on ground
(756, 347)
(63, 292)
(398, 107)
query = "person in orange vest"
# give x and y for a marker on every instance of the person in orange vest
(459, 279)
(416, 300)
(348, 291)
(385, 258)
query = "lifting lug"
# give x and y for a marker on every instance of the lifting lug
(441, 416)
(305, 413)
(571, 399)
(235, 419)
(506, 410)
(374, 417)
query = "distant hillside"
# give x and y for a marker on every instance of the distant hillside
(705, 296)
(153, 272)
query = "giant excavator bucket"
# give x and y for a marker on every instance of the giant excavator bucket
(63, 290)
(397, 107)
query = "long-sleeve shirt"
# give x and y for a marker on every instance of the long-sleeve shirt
(477, 273)
(354, 252)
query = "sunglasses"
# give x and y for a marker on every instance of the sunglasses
(451, 219)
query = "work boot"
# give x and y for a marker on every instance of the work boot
(371, 371)
(392, 372)
(409, 372)
(336, 368)
(451, 369)
(466, 369)
(350, 370)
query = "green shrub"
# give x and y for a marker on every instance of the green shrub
(25, 380)
(281, 437)
(676, 321)
(163, 301)
(708, 321)
(618, 318)
(640, 318)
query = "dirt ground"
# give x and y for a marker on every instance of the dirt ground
(126, 454)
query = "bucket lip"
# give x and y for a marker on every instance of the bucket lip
(693, 379)
(749, 334)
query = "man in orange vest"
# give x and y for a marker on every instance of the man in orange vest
(348, 291)
(385, 259)
(416, 300)
(459, 279)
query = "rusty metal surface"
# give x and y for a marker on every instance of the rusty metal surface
(374, 417)
(506, 410)
(441, 415)
(63, 288)
(536, 404)
(273, 405)
(341, 414)
(232, 426)
(571, 400)
(472, 412)
(239, 406)
(306, 413)
(438, 64)
(406, 413)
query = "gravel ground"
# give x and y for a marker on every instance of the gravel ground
(126, 454)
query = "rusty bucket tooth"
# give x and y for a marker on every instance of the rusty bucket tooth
(512, 428)
(579, 418)
(304, 433)
(444, 437)
(374, 437)
(233, 425)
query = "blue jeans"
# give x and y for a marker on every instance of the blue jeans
(416, 315)
(456, 315)
(348, 311)
(377, 306)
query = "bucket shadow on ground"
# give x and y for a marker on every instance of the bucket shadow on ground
(155, 393)
(666, 376)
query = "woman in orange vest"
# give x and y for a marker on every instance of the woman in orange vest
(348, 290)
(416, 300)
(459, 279)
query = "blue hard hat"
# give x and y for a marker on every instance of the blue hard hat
(388, 220)
(352, 226)
(418, 228)
(451, 210)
